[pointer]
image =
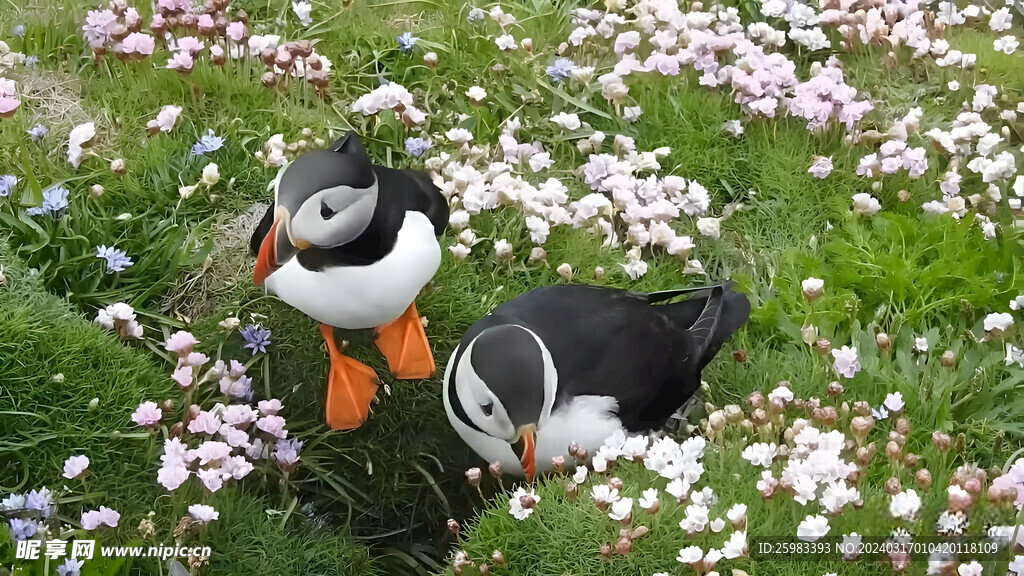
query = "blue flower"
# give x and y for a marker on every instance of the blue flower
(23, 529)
(40, 500)
(406, 41)
(19, 30)
(31, 60)
(417, 146)
(38, 132)
(475, 15)
(70, 567)
(207, 143)
(117, 260)
(7, 184)
(561, 69)
(55, 201)
(257, 338)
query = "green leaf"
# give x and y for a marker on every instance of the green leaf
(573, 100)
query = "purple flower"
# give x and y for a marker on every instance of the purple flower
(55, 200)
(560, 70)
(256, 338)
(38, 132)
(23, 529)
(417, 146)
(41, 501)
(207, 143)
(287, 453)
(70, 567)
(117, 260)
(406, 41)
(181, 343)
(8, 182)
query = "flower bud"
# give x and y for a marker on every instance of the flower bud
(473, 476)
(498, 558)
(167, 405)
(527, 501)
(638, 532)
(623, 546)
(571, 489)
(495, 469)
(527, 45)
(94, 404)
(809, 334)
(910, 460)
(453, 527)
(892, 450)
(948, 359)
(118, 166)
(192, 413)
(883, 341)
(739, 355)
(615, 483)
(973, 486)
(834, 389)
(759, 417)
(268, 79)
(860, 426)
(573, 449)
(864, 455)
(941, 440)
(716, 420)
(827, 415)
(484, 570)
(581, 456)
(96, 191)
(892, 486)
(537, 254)
(598, 273)
(862, 408)
(733, 413)
(558, 463)
(430, 60)
(756, 399)
(822, 346)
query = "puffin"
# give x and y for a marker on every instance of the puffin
(351, 244)
(578, 363)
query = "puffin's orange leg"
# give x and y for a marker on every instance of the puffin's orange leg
(405, 345)
(351, 386)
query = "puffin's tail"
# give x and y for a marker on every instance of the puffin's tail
(710, 317)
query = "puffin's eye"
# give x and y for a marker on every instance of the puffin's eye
(488, 409)
(325, 211)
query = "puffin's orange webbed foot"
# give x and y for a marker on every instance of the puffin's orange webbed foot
(405, 345)
(351, 386)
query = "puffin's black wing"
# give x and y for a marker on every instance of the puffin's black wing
(261, 231)
(412, 190)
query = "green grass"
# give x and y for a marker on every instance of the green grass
(385, 490)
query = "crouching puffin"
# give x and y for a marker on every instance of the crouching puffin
(351, 244)
(575, 363)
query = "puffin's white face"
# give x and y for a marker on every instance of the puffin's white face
(333, 216)
(506, 383)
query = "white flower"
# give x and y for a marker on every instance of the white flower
(634, 266)
(812, 528)
(866, 204)
(80, 136)
(567, 121)
(921, 344)
(503, 250)
(953, 85)
(515, 504)
(1014, 355)
(604, 494)
(812, 287)
(1006, 44)
(649, 498)
(565, 271)
(690, 555)
(679, 488)
(211, 174)
(505, 42)
(476, 94)
(737, 512)
(733, 128)
(541, 161)
(459, 135)
(710, 227)
(998, 321)
(894, 402)
(905, 505)
(696, 518)
(632, 113)
(75, 466)
(972, 568)
(1017, 566)
(760, 454)
(846, 362)
(717, 525)
(302, 9)
(621, 509)
(167, 118)
(1001, 20)
(580, 476)
(202, 513)
(736, 545)
(459, 251)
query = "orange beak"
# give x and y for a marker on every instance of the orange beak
(525, 448)
(266, 260)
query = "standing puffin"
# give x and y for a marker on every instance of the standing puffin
(575, 363)
(351, 244)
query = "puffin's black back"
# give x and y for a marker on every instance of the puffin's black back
(347, 163)
(609, 342)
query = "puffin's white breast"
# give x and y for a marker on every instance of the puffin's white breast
(357, 297)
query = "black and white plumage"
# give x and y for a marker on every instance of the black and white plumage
(575, 363)
(348, 242)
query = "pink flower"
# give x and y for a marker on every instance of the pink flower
(667, 65)
(194, 359)
(846, 363)
(627, 41)
(75, 466)
(236, 466)
(240, 388)
(212, 478)
(270, 407)
(181, 62)
(240, 415)
(236, 31)
(191, 45)
(181, 343)
(183, 377)
(204, 423)
(136, 43)
(233, 436)
(822, 167)
(8, 105)
(103, 517)
(211, 452)
(170, 476)
(147, 415)
(237, 369)
(915, 162)
(287, 453)
(272, 425)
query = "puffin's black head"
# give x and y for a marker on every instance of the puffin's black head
(325, 198)
(506, 383)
